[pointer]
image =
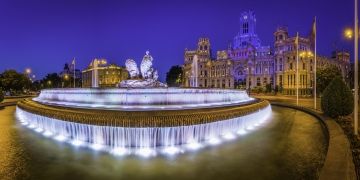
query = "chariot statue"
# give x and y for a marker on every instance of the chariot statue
(149, 76)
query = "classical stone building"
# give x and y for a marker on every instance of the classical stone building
(246, 64)
(285, 62)
(105, 75)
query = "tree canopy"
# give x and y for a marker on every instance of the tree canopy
(52, 80)
(325, 75)
(10, 80)
(173, 77)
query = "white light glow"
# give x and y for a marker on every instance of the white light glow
(38, 130)
(60, 138)
(171, 150)
(32, 126)
(250, 128)
(194, 146)
(241, 132)
(96, 147)
(214, 141)
(229, 136)
(145, 152)
(77, 143)
(120, 151)
(48, 133)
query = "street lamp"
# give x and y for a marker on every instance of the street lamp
(349, 34)
(49, 83)
(66, 77)
(28, 71)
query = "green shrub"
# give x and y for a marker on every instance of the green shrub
(337, 99)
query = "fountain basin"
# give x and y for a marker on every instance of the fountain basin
(219, 118)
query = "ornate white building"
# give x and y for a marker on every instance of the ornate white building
(247, 64)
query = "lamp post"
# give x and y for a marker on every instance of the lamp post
(356, 86)
(349, 33)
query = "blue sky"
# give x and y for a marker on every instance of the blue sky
(43, 35)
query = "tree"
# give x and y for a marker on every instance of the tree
(52, 80)
(268, 88)
(36, 86)
(1, 95)
(325, 75)
(173, 77)
(337, 99)
(13, 81)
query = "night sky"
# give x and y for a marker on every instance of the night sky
(43, 35)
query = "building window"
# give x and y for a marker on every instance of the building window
(288, 80)
(245, 28)
(258, 81)
(291, 66)
(304, 66)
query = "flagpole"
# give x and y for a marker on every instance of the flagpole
(74, 73)
(297, 68)
(315, 66)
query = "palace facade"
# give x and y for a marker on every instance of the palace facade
(247, 64)
(106, 75)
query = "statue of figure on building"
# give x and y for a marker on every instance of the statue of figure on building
(149, 74)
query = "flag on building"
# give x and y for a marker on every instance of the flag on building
(312, 35)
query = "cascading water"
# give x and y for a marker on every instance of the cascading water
(136, 138)
(194, 72)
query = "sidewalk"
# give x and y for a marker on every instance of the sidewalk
(12, 101)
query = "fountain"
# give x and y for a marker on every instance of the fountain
(143, 116)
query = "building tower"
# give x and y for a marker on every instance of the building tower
(203, 49)
(247, 34)
(281, 34)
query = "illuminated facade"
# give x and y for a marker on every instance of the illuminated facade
(106, 75)
(285, 62)
(246, 64)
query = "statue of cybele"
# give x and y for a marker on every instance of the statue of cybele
(146, 66)
(149, 74)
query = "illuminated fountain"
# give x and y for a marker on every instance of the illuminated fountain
(145, 120)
